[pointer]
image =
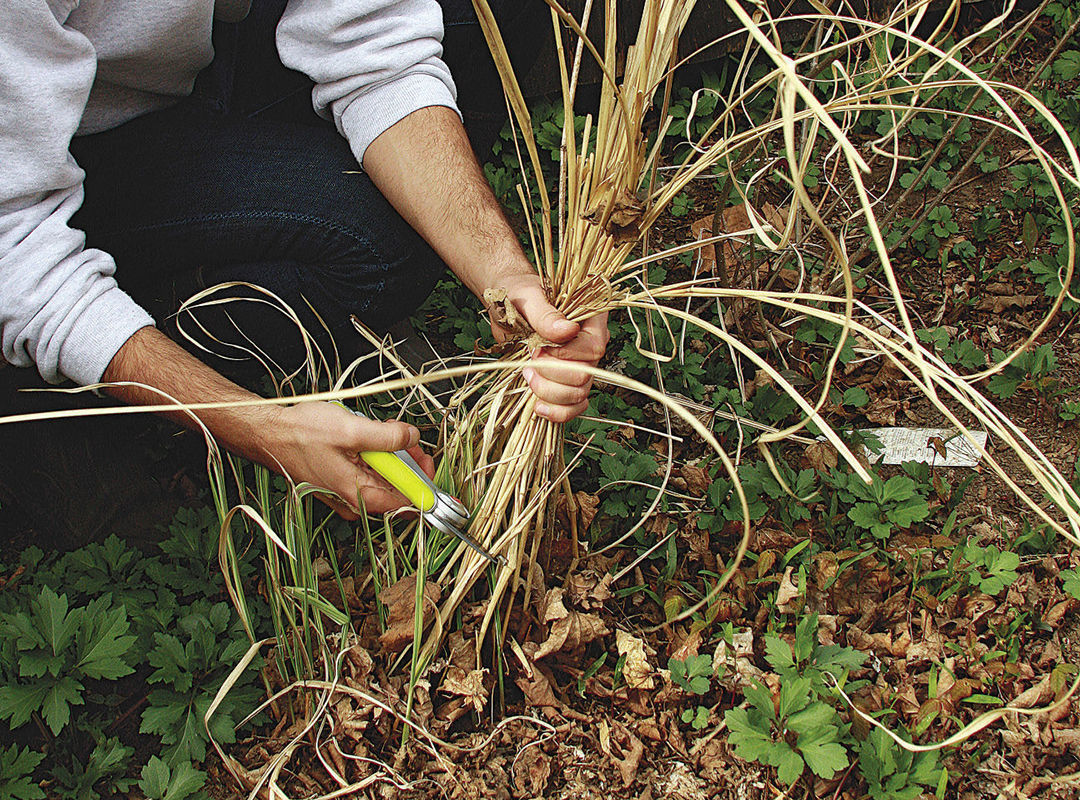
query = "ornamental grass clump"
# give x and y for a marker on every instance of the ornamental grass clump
(590, 240)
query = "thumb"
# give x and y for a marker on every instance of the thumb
(545, 319)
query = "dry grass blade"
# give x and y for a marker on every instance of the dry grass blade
(509, 466)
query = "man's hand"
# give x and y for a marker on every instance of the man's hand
(323, 441)
(317, 443)
(425, 167)
(561, 394)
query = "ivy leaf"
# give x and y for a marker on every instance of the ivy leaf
(154, 778)
(925, 771)
(794, 696)
(865, 515)
(760, 698)
(778, 654)
(1071, 583)
(750, 742)
(17, 703)
(789, 764)
(163, 713)
(811, 718)
(914, 509)
(171, 659)
(837, 659)
(57, 626)
(161, 783)
(876, 761)
(855, 396)
(187, 741)
(102, 772)
(899, 487)
(1067, 65)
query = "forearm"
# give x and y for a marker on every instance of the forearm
(425, 167)
(152, 359)
(317, 443)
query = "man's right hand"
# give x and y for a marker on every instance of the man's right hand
(323, 442)
(317, 443)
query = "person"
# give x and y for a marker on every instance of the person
(151, 148)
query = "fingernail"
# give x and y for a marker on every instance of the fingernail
(536, 352)
(543, 410)
(528, 373)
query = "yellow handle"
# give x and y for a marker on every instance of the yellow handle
(399, 475)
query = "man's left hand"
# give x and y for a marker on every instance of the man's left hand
(425, 167)
(561, 393)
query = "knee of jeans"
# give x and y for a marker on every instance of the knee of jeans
(379, 293)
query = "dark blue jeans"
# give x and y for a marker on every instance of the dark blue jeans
(243, 182)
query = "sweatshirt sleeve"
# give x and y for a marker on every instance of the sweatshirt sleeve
(374, 62)
(60, 307)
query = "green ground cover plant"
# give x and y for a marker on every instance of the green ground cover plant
(112, 658)
(106, 651)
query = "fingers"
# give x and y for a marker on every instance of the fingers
(426, 462)
(557, 392)
(544, 318)
(560, 413)
(587, 347)
(549, 321)
(563, 392)
(380, 499)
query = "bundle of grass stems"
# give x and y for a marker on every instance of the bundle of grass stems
(590, 240)
(589, 236)
(592, 252)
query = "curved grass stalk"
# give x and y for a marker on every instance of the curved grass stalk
(508, 464)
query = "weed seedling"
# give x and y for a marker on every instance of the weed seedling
(893, 773)
(990, 569)
(795, 733)
(693, 675)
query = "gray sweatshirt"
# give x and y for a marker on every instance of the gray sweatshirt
(69, 67)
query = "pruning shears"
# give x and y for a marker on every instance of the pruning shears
(437, 507)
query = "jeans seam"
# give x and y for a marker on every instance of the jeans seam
(290, 216)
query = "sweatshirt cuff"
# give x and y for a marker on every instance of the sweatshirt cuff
(98, 333)
(379, 108)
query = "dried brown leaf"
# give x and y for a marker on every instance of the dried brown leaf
(636, 670)
(688, 647)
(702, 229)
(572, 631)
(621, 216)
(697, 479)
(400, 602)
(997, 304)
(589, 590)
(632, 751)
(882, 411)
(533, 766)
(787, 595)
(537, 690)
(468, 684)
(822, 456)
(553, 605)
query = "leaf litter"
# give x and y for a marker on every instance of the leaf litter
(601, 717)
